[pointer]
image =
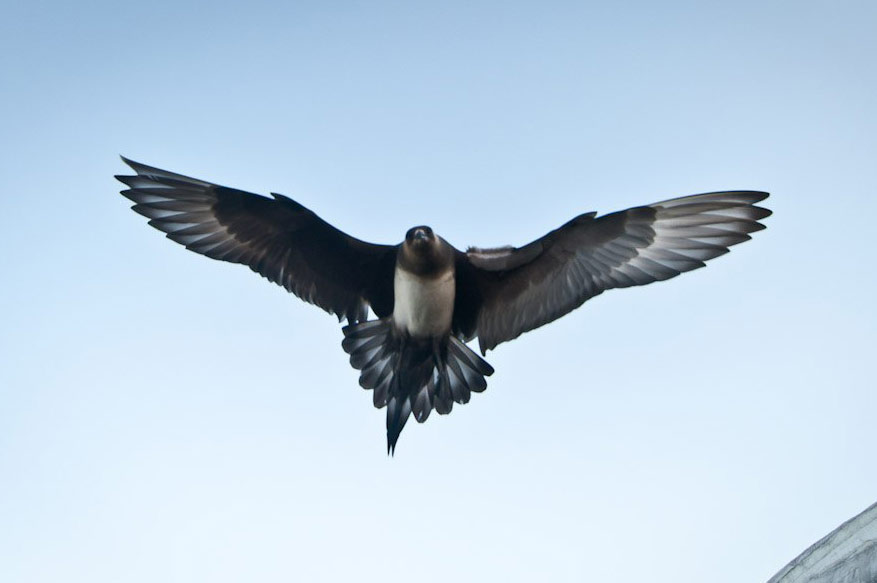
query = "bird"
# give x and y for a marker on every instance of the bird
(430, 299)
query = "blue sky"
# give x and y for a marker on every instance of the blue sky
(706, 428)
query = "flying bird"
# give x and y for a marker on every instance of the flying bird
(429, 297)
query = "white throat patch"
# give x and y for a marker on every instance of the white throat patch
(423, 305)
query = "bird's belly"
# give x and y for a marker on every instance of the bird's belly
(423, 306)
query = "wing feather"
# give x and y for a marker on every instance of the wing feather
(276, 237)
(516, 290)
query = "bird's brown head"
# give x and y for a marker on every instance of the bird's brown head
(419, 239)
(425, 252)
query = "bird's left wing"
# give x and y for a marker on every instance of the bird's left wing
(502, 293)
(276, 237)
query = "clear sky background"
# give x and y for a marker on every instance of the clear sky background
(165, 417)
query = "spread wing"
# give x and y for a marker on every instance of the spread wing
(276, 237)
(509, 291)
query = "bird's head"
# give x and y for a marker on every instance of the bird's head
(420, 239)
(424, 252)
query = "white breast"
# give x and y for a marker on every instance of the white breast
(423, 306)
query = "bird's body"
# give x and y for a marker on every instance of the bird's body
(430, 298)
(424, 288)
(411, 360)
(423, 306)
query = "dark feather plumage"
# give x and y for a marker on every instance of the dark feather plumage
(495, 294)
(412, 376)
(517, 290)
(277, 238)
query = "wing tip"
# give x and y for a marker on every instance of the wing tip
(135, 166)
(124, 178)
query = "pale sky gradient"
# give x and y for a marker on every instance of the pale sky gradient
(165, 417)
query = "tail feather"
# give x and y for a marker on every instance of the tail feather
(458, 387)
(441, 387)
(382, 388)
(412, 376)
(398, 410)
(473, 361)
(356, 336)
(368, 353)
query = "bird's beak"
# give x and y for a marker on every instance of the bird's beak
(420, 235)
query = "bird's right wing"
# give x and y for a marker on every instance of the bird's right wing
(505, 292)
(277, 238)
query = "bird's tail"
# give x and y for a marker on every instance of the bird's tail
(409, 375)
